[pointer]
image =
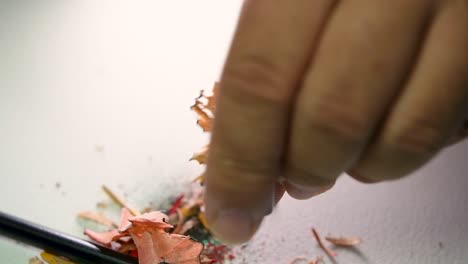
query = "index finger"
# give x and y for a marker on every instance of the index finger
(273, 43)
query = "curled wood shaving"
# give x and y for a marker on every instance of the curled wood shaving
(204, 117)
(114, 197)
(200, 179)
(204, 108)
(344, 241)
(200, 156)
(328, 251)
(98, 218)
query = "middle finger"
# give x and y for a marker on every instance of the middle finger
(362, 61)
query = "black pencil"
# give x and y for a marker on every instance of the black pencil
(58, 243)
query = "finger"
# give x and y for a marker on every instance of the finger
(361, 62)
(279, 192)
(461, 135)
(269, 53)
(304, 192)
(433, 106)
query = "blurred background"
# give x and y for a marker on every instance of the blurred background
(98, 92)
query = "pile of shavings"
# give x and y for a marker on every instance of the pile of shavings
(176, 235)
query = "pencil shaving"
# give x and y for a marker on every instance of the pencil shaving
(114, 197)
(328, 251)
(98, 218)
(344, 241)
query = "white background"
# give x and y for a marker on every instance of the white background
(95, 92)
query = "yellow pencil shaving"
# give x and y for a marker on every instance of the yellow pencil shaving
(119, 200)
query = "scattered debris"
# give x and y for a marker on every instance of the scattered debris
(304, 260)
(441, 245)
(149, 234)
(118, 200)
(204, 108)
(35, 260)
(328, 251)
(101, 205)
(299, 260)
(52, 259)
(99, 148)
(98, 218)
(200, 156)
(344, 241)
(317, 260)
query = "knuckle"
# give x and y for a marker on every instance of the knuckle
(259, 77)
(244, 169)
(420, 137)
(335, 120)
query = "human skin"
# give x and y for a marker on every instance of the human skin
(312, 89)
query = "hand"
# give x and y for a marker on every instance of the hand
(312, 89)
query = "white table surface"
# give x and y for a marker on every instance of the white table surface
(95, 92)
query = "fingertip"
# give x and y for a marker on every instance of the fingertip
(234, 226)
(360, 177)
(279, 192)
(303, 192)
(234, 214)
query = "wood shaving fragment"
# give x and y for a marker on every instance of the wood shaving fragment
(180, 222)
(149, 235)
(205, 260)
(328, 251)
(204, 120)
(189, 225)
(317, 260)
(204, 108)
(299, 259)
(200, 156)
(191, 209)
(98, 218)
(104, 238)
(200, 179)
(35, 260)
(125, 214)
(52, 259)
(202, 218)
(211, 99)
(101, 205)
(119, 200)
(344, 241)
(126, 248)
(165, 248)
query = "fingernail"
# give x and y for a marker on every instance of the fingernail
(302, 192)
(234, 226)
